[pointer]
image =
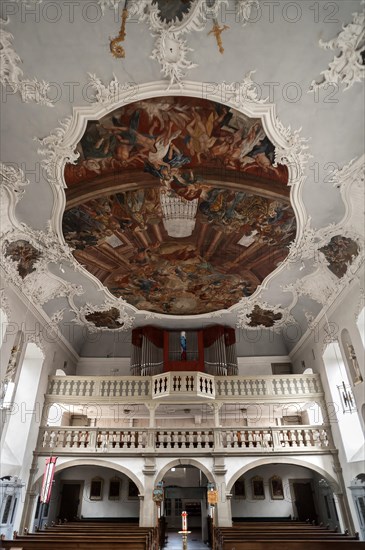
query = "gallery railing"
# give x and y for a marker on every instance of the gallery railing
(279, 439)
(182, 385)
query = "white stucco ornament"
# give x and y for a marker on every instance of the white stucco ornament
(349, 66)
(11, 75)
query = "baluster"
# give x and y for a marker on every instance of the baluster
(65, 387)
(60, 438)
(307, 438)
(133, 440)
(87, 391)
(258, 439)
(300, 438)
(292, 438)
(45, 439)
(190, 439)
(250, 439)
(235, 439)
(267, 439)
(75, 439)
(52, 439)
(68, 438)
(82, 439)
(199, 440)
(91, 440)
(286, 439)
(323, 438)
(183, 440)
(228, 439)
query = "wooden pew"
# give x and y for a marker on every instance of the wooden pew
(279, 536)
(90, 536)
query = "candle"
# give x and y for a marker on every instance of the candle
(184, 516)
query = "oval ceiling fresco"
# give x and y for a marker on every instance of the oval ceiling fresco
(176, 206)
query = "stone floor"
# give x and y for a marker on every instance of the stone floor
(194, 541)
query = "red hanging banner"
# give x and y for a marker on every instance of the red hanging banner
(48, 479)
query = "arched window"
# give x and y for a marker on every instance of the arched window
(25, 399)
(3, 325)
(342, 408)
(350, 356)
(361, 325)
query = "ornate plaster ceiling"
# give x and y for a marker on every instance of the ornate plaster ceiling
(79, 86)
(199, 216)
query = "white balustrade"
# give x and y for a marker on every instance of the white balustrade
(71, 439)
(184, 384)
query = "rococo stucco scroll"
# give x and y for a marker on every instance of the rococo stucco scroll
(171, 23)
(11, 75)
(349, 66)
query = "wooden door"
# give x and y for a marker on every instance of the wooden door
(304, 501)
(70, 499)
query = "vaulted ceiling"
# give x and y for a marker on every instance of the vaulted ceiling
(181, 163)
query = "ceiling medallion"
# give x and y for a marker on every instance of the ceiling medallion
(109, 316)
(199, 215)
(169, 22)
(258, 315)
(173, 188)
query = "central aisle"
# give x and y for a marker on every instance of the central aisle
(194, 541)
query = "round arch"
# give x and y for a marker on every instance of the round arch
(185, 462)
(292, 461)
(94, 462)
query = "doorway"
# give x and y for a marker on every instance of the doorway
(185, 489)
(304, 502)
(70, 500)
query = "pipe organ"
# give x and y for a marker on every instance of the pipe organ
(211, 350)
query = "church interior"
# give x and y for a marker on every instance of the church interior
(182, 274)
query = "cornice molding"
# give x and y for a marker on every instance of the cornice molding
(40, 315)
(317, 323)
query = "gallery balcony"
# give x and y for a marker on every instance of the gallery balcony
(189, 385)
(71, 440)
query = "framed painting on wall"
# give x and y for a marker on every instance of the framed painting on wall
(96, 488)
(114, 488)
(240, 489)
(258, 490)
(276, 488)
